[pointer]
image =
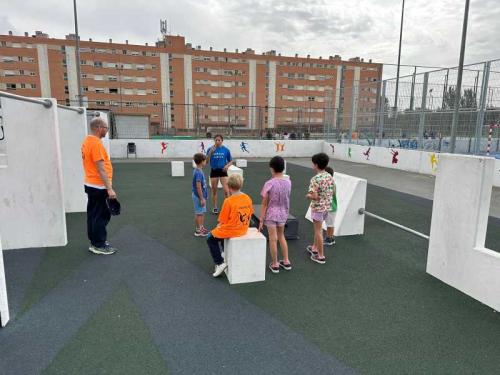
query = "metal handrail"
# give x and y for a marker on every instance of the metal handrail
(45, 102)
(362, 211)
(76, 109)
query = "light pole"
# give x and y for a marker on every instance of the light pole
(78, 73)
(399, 58)
(458, 88)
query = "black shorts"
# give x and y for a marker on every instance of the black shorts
(217, 173)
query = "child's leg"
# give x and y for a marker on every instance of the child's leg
(214, 246)
(213, 183)
(318, 237)
(198, 219)
(283, 243)
(329, 232)
(273, 244)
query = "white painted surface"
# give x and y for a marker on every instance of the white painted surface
(72, 131)
(338, 79)
(246, 257)
(31, 189)
(4, 303)
(241, 163)
(188, 91)
(286, 176)
(151, 148)
(271, 98)
(252, 92)
(496, 173)
(165, 86)
(177, 168)
(457, 255)
(44, 70)
(72, 74)
(234, 170)
(351, 196)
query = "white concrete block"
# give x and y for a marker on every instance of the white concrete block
(4, 305)
(457, 255)
(177, 168)
(286, 176)
(241, 163)
(246, 257)
(351, 196)
(193, 164)
(234, 170)
(31, 185)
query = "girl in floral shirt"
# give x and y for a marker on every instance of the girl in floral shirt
(321, 194)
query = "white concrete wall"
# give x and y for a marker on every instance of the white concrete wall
(252, 93)
(351, 196)
(457, 255)
(148, 148)
(72, 74)
(165, 86)
(72, 131)
(188, 91)
(4, 304)
(271, 98)
(44, 70)
(31, 190)
(496, 173)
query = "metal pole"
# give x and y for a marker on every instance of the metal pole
(482, 107)
(409, 230)
(78, 72)
(458, 88)
(75, 109)
(399, 57)
(45, 102)
(382, 114)
(423, 108)
(412, 94)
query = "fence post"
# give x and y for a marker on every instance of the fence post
(482, 107)
(382, 114)
(422, 112)
(412, 94)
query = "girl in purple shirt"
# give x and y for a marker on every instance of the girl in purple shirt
(274, 213)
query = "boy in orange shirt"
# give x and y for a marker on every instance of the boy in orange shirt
(234, 220)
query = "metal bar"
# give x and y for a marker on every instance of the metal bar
(423, 109)
(458, 87)
(76, 109)
(362, 211)
(399, 57)
(412, 94)
(45, 102)
(482, 108)
(77, 45)
(382, 113)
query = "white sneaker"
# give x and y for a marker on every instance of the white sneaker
(219, 268)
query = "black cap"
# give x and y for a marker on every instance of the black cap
(114, 206)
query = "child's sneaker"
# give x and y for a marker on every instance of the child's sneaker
(329, 241)
(200, 232)
(219, 268)
(311, 250)
(274, 269)
(285, 266)
(316, 258)
(206, 231)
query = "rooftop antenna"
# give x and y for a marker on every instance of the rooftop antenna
(164, 28)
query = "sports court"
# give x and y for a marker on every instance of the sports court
(154, 308)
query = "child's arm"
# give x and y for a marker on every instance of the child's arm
(263, 209)
(312, 193)
(200, 194)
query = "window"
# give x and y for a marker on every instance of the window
(100, 90)
(155, 91)
(171, 93)
(33, 85)
(23, 85)
(97, 64)
(139, 67)
(113, 91)
(11, 86)
(112, 78)
(84, 75)
(98, 77)
(9, 73)
(141, 92)
(64, 63)
(100, 102)
(65, 76)
(85, 89)
(172, 117)
(32, 74)
(66, 90)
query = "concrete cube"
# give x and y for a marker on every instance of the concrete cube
(234, 170)
(246, 257)
(286, 176)
(241, 163)
(177, 169)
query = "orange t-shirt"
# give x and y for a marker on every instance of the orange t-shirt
(234, 217)
(92, 151)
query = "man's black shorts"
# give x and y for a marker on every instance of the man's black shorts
(217, 173)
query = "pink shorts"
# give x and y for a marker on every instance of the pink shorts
(319, 216)
(272, 223)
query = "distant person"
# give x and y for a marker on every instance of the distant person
(234, 220)
(286, 136)
(320, 194)
(220, 160)
(274, 213)
(98, 186)
(199, 195)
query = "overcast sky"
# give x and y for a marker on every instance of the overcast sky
(365, 28)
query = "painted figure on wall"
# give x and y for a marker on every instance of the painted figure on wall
(243, 147)
(367, 153)
(202, 147)
(434, 161)
(349, 152)
(280, 147)
(333, 148)
(163, 147)
(394, 156)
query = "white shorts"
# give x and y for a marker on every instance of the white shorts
(330, 219)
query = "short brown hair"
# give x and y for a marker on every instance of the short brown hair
(199, 157)
(235, 181)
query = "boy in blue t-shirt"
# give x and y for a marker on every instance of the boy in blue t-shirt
(200, 195)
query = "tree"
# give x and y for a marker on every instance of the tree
(468, 99)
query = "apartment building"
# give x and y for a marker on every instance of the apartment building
(172, 84)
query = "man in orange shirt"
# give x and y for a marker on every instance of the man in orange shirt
(234, 220)
(98, 186)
